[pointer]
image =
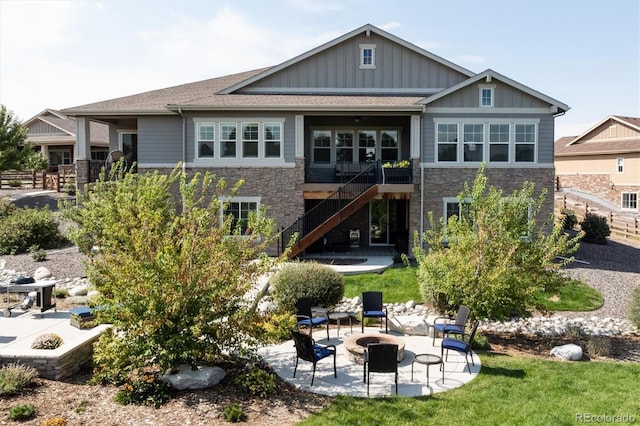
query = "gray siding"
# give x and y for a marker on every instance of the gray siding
(160, 140)
(288, 130)
(505, 96)
(339, 67)
(545, 132)
(41, 128)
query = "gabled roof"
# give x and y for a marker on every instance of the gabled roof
(364, 29)
(67, 127)
(489, 75)
(629, 121)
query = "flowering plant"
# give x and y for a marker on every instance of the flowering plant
(397, 164)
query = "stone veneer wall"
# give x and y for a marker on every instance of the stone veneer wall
(51, 364)
(449, 182)
(596, 184)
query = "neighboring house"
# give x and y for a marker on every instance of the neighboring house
(603, 161)
(54, 134)
(296, 132)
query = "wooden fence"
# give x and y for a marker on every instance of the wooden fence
(626, 226)
(66, 175)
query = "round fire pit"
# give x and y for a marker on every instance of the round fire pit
(356, 343)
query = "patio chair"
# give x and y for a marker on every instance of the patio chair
(462, 345)
(372, 308)
(308, 350)
(380, 358)
(305, 317)
(457, 327)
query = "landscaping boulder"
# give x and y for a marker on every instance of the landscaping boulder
(569, 352)
(80, 290)
(42, 273)
(410, 325)
(200, 378)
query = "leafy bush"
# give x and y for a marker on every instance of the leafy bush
(6, 207)
(144, 388)
(47, 341)
(24, 228)
(233, 413)
(69, 187)
(569, 219)
(15, 377)
(22, 412)
(56, 421)
(633, 308)
(15, 183)
(38, 254)
(595, 228)
(257, 382)
(320, 283)
(111, 358)
(277, 326)
(61, 293)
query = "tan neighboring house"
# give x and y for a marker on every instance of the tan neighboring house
(603, 161)
(55, 134)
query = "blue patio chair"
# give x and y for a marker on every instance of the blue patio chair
(372, 307)
(380, 358)
(462, 345)
(305, 317)
(308, 350)
(456, 327)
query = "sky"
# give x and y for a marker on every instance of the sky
(60, 54)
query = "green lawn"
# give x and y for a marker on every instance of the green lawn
(399, 285)
(508, 391)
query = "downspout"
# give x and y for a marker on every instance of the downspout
(421, 182)
(184, 140)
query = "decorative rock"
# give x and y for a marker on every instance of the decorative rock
(569, 352)
(92, 294)
(410, 325)
(410, 304)
(200, 378)
(81, 290)
(42, 273)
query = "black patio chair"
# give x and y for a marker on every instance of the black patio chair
(308, 350)
(372, 307)
(380, 358)
(456, 327)
(305, 317)
(462, 345)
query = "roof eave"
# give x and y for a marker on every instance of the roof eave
(109, 113)
(341, 108)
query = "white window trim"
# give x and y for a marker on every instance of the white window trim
(334, 130)
(487, 122)
(225, 200)
(622, 194)
(122, 132)
(363, 47)
(218, 161)
(198, 140)
(620, 165)
(491, 88)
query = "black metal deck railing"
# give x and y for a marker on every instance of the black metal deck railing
(357, 185)
(342, 172)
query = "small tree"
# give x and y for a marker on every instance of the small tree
(15, 152)
(174, 277)
(496, 256)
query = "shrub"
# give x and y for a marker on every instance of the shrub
(47, 341)
(56, 421)
(15, 183)
(38, 254)
(61, 293)
(277, 326)
(480, 341)
(22, 412)
(6, 207)
(595, 228)
(257, 382)
(233, 413)
(144, 388)
(633, 308)
(569, 219)
(320, 283)
(599, 346)
(15, 377)
(69, 187)
(27, 227)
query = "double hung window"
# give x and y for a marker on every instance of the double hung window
(525, 138)
(206, 139)
(447, 137)
(630, 200)
(473, 142)
(240, 208)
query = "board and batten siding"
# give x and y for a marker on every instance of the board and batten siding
(288, 128)
(159, 140)
(40, 128)
(396, 67)
(545, 131)
(505, 96)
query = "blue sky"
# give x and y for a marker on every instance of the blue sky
(59, 54)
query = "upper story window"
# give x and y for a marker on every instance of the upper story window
(238, 141)
(630, 200)
(322, 146)
(493, 142)
(486, 95)
(620, 163)
(367, 56)
(350, 145)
